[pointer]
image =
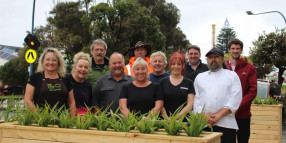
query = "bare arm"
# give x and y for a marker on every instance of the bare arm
(157, 108)
(188, 107)
(29, 95)
(164, 113)
(71, 103)
(123, 107)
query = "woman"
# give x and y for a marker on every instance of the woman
(177, 89)
(81, 87)
(140, 95)
(48, 84)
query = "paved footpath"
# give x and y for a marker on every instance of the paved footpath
(284, 132)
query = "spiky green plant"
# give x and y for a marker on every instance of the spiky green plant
(173, 125)
(101, 120)
(26, 117)
(148, 125)
(84, 121)
(9, 114)
(47, 115)
(196, 123)
(64, 120)
(121, 124)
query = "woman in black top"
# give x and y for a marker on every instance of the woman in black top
(81, 87)
(48, 84)
(141, 95)
(177, 89)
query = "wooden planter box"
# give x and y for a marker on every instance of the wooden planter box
(266, 124)
(12, 133)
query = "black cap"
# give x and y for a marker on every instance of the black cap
(216, 51)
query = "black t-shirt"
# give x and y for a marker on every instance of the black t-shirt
(82, 91)
(175, 96)
(36, 81)
(141, 99)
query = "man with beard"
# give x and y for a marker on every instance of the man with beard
(108, 87)
(248, 79)
(219, 93)
(158, 62)
(195, 65)
(99, 65)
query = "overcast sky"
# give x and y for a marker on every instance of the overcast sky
(197, 17)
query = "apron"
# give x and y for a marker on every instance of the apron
(53, 91)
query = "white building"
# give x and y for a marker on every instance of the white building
(8, 53)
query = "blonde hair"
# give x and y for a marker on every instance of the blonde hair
(159, 53)
(138, 61)
(61, 64)
(81, 56)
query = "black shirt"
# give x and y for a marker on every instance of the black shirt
(191, 74)
(175, 96)
(82, 91)
(141, 99)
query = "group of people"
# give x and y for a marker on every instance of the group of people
(143, 86)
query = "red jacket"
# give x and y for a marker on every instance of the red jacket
(248, 79)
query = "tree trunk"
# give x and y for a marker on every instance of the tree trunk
(280, 78)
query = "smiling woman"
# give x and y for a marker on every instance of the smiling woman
(81, 87)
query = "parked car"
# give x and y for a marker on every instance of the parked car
(263, 89)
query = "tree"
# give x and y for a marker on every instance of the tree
(270, 49)
(124, 23)
(226, 33)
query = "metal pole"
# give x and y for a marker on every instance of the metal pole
(250, 13)
(31, 65)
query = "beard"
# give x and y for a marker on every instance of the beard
(215, 66)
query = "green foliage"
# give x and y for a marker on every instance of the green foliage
(64, 120)
(270, 49)
(173, 125)
(197, 122)
(101, 120)
(84, 121)
(26, 117)
(47, 115)
(268, 101)
(226, 33)
(148, 125)
(121, 124)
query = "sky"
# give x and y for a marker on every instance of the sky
(196, 19)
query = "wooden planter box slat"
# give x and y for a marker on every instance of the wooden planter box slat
(10, 132)
(266, 124)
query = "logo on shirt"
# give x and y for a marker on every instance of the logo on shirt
(243, 73)
(55, 87)
(184, 88)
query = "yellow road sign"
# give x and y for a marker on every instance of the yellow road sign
(31, 56)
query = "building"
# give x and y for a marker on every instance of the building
(8, 53)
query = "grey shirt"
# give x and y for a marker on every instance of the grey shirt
(107, 90)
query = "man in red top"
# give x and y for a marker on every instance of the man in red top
(142, 50)
(248, 79)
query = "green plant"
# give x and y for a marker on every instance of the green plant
(197, 122)
(26, 117)
(64, 120)
(101, 120)
(148, 125)
(84, 121)
(47, 115)
(121, 124)
(10, 113)
(268, 101)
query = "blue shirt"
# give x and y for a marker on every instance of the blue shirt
(156, 78)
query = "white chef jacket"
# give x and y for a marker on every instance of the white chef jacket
(217, 90)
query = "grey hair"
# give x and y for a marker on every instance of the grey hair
(81, 56)
(138, 61)
(61, 64)
(98, 42)
(159, 53)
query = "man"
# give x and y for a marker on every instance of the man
(99, 64)
(108, 87)
(195, 65)
(248, 79)
(158, 63)
(219, 92)
(142, 50)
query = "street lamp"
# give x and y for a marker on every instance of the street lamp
(250, 13)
